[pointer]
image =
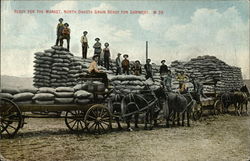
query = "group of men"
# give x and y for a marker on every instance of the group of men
(122, 66)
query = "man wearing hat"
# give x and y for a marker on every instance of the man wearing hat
(65, 35)
(182, 78)
(163, 69)
(118, 64)
(137, 68)
(149, 70)
(98, 49)
(106, 53)
(93, 69)
(85, 46)
(125, 64)
(59, 29)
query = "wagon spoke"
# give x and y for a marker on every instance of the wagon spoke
(92, 117)
(102, 126)
(74, 124)
(105, 118)
(91, 125)
(95, 126)
(7, 131)
(77, 126)
(105, 123)
(99, 131)
(94, 113)
(12, 127)
(101, 112)
(71, 121)
(81, 124)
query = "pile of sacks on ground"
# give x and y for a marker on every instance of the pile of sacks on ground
(78, 94)
(209, 68)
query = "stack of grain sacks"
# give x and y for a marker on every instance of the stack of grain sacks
(52, 67)
(48, 96)
(60, 67)
(128, 83)
(21, 96)
(44, 96)
(42, 68)
(209, 68)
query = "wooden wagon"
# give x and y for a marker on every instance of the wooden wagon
(212, 103)
(93, 117)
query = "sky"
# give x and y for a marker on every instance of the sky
(179, 31)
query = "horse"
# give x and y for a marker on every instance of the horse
(242, 98)
(145, 102)
(114, 105)
(237, 98)
(179, 104)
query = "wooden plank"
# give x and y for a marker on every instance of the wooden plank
(53, 107)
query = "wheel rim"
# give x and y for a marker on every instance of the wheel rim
(10, 117)
(197, 113)
(218, 106)
(98, 119)
(74, 120)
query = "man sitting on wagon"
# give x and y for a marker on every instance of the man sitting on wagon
(96, 73)
(198, 87)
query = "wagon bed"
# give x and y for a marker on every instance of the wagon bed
(93, 117)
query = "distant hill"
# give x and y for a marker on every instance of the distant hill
(16, 82)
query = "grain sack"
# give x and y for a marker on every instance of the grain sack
(6, 95)
(24, 102)
(64, 100)
(10, 90)
(64, 89)
(82, 101)
(23, 96)
(83, 86)
(64, 94)
(82, 94)
(44, 102)
(46, 90)
(44, 97)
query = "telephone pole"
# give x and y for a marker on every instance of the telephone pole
(146, 50)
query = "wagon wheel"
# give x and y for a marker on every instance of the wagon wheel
(98, 119)
(197, 112)
(74, 120)
(10, 117)
(218, 107)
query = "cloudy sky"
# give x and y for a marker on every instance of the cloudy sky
(186, 29)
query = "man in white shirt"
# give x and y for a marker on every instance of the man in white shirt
(85, 45)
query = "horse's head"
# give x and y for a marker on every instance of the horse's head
(160, 93)
(245, 90)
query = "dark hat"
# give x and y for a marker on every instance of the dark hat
(119, 54)
(163, 61)
(148, 59)
(66, 24)
(125, 55)
(85, 32)
(97, 39)
(95, 56)
(106, 44)
(60, 19)
(137, 61)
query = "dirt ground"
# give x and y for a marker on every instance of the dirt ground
(223, 137)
